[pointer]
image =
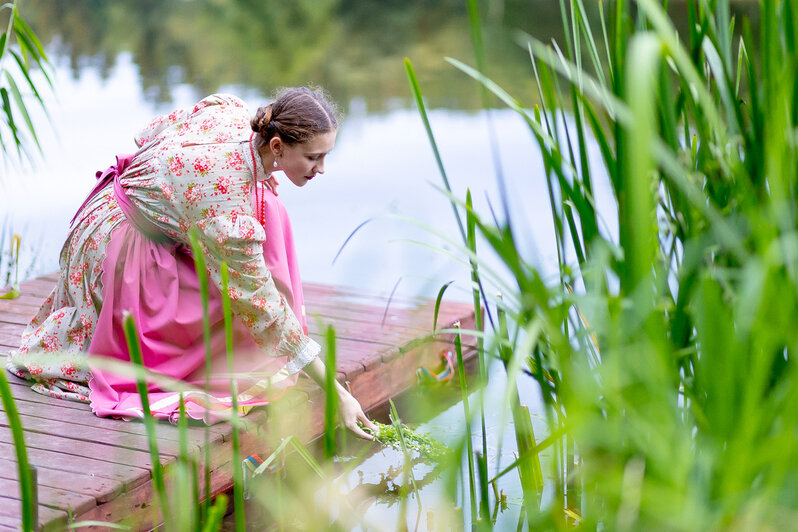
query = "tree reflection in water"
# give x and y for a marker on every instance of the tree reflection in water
(354, 49)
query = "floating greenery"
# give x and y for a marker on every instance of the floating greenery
(424, 444)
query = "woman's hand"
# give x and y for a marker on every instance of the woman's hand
(348, 407)
(351, 413)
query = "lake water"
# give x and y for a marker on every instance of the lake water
(110, 79)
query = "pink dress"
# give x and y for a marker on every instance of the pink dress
(128, 253)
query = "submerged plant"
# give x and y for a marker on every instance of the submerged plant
(425, 445)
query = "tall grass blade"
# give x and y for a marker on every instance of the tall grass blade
(29, 507)
(406, 464)
(12, 85)
(484, 498)
(134, 348)
(202, 275)
(438, 306)
(458, 348)
(471, 234)
(213, 522)
(238, 479)
(416, 89)
(330, 398)
(193, 518)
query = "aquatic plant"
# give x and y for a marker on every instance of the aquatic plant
(663, 350)
(425, 445)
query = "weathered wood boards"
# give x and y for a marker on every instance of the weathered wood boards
(92, 468)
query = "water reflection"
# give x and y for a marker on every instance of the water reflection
(353, 48)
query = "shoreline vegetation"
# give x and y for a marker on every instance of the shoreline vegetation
(663, 351)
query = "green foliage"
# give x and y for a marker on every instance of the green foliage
(20, 52)
(238, 481)
(134, 348)
(664, 351)
(330, 397)
(26, 486)
(425, 445)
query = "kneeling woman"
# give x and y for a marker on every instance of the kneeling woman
(208, 168)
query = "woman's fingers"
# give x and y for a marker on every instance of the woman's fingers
(359, 432)
(272, 183)
(367, 422)
(351, 413)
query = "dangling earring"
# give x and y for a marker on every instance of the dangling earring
(275, 162)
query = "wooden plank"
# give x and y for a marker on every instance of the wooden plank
(38, 287)
(86, 437)
(135, 509)
(326, 291)
(27, 298)
(20, 390)
(10, 523)
(11, 334)
(69, 448)
(84, 417)
(410, 321)
(51, 516)
(59, 499)
(16, 316)
(122, 476)
(98, 488)
(30, 305)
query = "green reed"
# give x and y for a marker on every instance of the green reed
(458, 349)
(197, 253)
(664, 351)
(330, 397)
(134, 348)
(19, 45)
(26, 486)
(238, 481)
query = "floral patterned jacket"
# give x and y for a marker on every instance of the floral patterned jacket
(195, 168)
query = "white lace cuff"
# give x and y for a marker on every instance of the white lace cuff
(304, 357)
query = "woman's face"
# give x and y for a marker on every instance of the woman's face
(301, 162)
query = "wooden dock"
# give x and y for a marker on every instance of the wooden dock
(92, 468)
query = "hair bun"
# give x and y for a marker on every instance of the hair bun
(262, 118)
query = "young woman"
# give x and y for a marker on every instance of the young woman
(208, 169)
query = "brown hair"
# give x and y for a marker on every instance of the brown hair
(297, 114)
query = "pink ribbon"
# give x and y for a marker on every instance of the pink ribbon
(113, 173)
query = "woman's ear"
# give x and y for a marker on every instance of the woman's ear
(276, 144)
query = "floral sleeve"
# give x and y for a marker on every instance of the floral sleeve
(213, 194)
(236, 238)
